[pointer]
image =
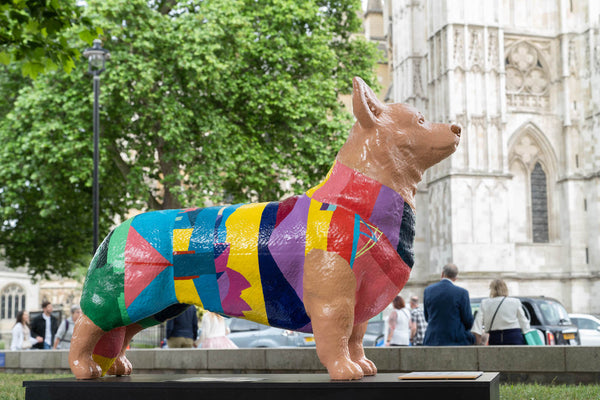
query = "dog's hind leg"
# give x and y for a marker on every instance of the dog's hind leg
(357, 353)
(108, 347)
(122, 366)
(85, 336)
(329, 293)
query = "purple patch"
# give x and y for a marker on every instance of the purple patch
(306, 328)
(231, 283)
(387, 214)
(288, 242)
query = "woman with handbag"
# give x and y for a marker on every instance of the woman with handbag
(501, 316)
(21, 338)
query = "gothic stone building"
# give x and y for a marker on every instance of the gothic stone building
(520, 199)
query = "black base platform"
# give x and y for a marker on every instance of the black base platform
(383, 386)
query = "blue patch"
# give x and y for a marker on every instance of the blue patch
(201, 261)
(158, 295)
(156, 228)
(208, 290)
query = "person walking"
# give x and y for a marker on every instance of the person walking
(447, 312)
(21, 339)
(418, 325)
(399, 324)
(65, 330)
(182, 331)
(501, 316)
(44, 326)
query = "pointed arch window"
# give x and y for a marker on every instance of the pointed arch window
(12, 300)
(532, 188)
(539, 205)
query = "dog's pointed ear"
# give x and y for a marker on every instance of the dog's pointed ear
(365, 105)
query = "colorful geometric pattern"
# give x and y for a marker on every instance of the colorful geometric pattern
(247, 260)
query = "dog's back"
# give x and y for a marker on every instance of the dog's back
(247, 260)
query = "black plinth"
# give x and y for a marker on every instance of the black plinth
(261, 387)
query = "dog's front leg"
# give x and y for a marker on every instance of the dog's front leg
(329, 295)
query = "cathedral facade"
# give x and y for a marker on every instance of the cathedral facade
(520, 198)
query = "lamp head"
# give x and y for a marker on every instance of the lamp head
(97, 57)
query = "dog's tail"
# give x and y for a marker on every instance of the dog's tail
(108, 348)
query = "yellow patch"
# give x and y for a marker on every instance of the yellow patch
(186, 292)
(317, 227)
(181, 239)
(242, 235)
(103, 362)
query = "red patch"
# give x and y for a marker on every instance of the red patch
(143, 263)
(350, 189)
(340, 233)
(285, 207)
(380, 275)
(110, 343)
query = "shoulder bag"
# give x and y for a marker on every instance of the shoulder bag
(494, 316)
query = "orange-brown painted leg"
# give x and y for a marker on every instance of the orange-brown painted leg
(122, 366)
(357, 353)
(329, 291)
(85, 336)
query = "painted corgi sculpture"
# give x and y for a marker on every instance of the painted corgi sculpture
(322, 262)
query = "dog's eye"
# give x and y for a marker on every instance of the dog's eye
(421, 120)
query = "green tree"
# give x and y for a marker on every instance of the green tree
(35, 34)
(203, 102)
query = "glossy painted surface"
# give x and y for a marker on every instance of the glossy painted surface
(324, 262)
(247, 260)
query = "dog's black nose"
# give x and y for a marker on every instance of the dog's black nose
(455, 129)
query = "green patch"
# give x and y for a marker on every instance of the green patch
(148, 322)
(102, 299)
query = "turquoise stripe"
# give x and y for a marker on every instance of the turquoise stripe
(355, 237)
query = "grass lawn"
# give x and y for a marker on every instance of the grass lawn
(11, 385)
(549, 392)
(11, 388)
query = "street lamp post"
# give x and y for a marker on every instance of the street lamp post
(97, 57)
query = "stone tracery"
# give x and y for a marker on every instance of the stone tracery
(527, 78)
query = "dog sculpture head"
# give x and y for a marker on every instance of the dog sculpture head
(394, 143)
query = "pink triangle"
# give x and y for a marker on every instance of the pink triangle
(143, 263)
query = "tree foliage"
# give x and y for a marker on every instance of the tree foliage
(203, 102)
(35, 34)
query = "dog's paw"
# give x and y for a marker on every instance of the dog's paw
(121, 366)
(368, 367)
(86, 370)
(345, 370)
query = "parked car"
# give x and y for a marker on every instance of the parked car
(547, 315)
(375, 334)
(589, 328)
(249, 334)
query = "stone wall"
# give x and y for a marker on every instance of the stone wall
(551, 364)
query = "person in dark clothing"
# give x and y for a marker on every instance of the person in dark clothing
(182, 331)
(448, 312)
(43, 327)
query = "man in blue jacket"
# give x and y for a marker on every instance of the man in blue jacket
(448, 312)
(182, 331)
